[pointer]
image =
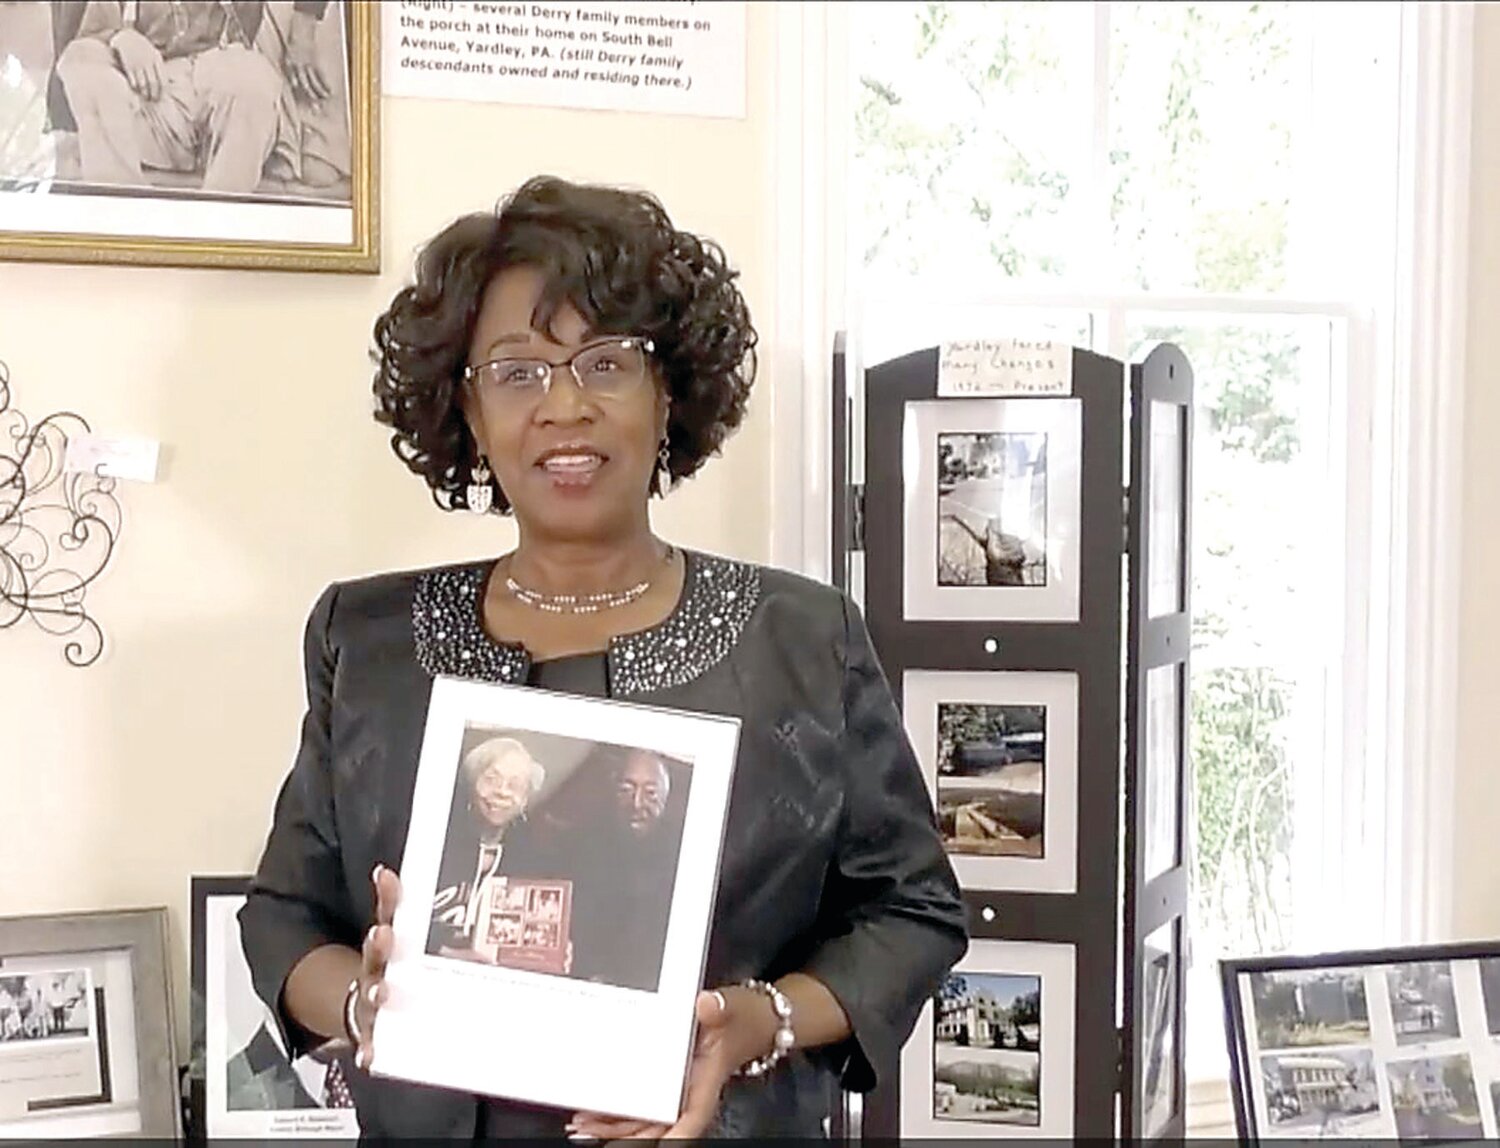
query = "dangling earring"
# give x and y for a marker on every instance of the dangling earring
(664, 458)
(480, 495)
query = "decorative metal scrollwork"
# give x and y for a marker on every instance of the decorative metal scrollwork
(58, 529)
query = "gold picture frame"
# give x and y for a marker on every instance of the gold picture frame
(93, 170)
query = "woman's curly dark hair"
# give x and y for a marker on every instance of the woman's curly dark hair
(616, 257)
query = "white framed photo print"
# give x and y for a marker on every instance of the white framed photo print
(558, 887)
(992, 1056)
(999, 750)
(993, 500)
(244, 1083)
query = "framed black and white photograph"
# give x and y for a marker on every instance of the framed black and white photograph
(226, 133)
(1162, 849)
(1368, 1045)
(1166, 521)
(999, 751)
(243, 1081)
(560, 856)
(1158, 1033)
(556, 883)
(1310, 1008)
(1435, 1098)
(992, 1056)
(86, 1039)
(993, 498)
(1423, 1008)
(1322, 1093)
(50, 1005)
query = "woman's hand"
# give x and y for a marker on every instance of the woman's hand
(375, 955)
(735, 1025)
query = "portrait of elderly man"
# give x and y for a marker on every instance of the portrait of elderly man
(497, 781)
(626, 867)
(232, 97)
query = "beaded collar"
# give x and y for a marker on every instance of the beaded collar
(718, 597)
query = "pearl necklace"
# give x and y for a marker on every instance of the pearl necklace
(579, 603)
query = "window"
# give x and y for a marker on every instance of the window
(1228, 177)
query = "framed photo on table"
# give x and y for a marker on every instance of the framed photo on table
(197, 133)
(558, 880)
(1366, 1045)
(992, 1056)
(242, 1082)
(993, 503)
(87, 1044)
(999, 750)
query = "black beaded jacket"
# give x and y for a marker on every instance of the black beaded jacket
(832, 864)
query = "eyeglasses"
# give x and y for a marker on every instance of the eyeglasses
(606, 368)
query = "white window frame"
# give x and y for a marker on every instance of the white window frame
(811, 179)
(1410, 543)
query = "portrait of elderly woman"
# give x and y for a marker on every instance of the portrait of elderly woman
(563, 359)
(497, 779)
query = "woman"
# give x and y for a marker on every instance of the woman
(498, 779)
(562, 360)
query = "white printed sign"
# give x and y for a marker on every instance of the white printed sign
(980, 367)
(675, 57)
(133, 458)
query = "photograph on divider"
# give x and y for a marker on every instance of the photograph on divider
(999, 751)
(992, 509)
(993, 1054)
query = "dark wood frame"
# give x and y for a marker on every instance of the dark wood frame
(1164, 377)
(197, 1099)
(1114, 524)
(1231, 970)
(1089, 647)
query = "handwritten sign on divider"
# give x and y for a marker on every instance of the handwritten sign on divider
(984, 368)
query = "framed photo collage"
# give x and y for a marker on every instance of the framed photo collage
(1375, 1045)
(984, 533)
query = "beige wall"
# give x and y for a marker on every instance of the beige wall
(162, 760)
(1477, 829)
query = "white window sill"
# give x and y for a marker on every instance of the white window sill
(1210, 1112)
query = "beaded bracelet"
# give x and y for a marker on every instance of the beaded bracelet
(785, 1039)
